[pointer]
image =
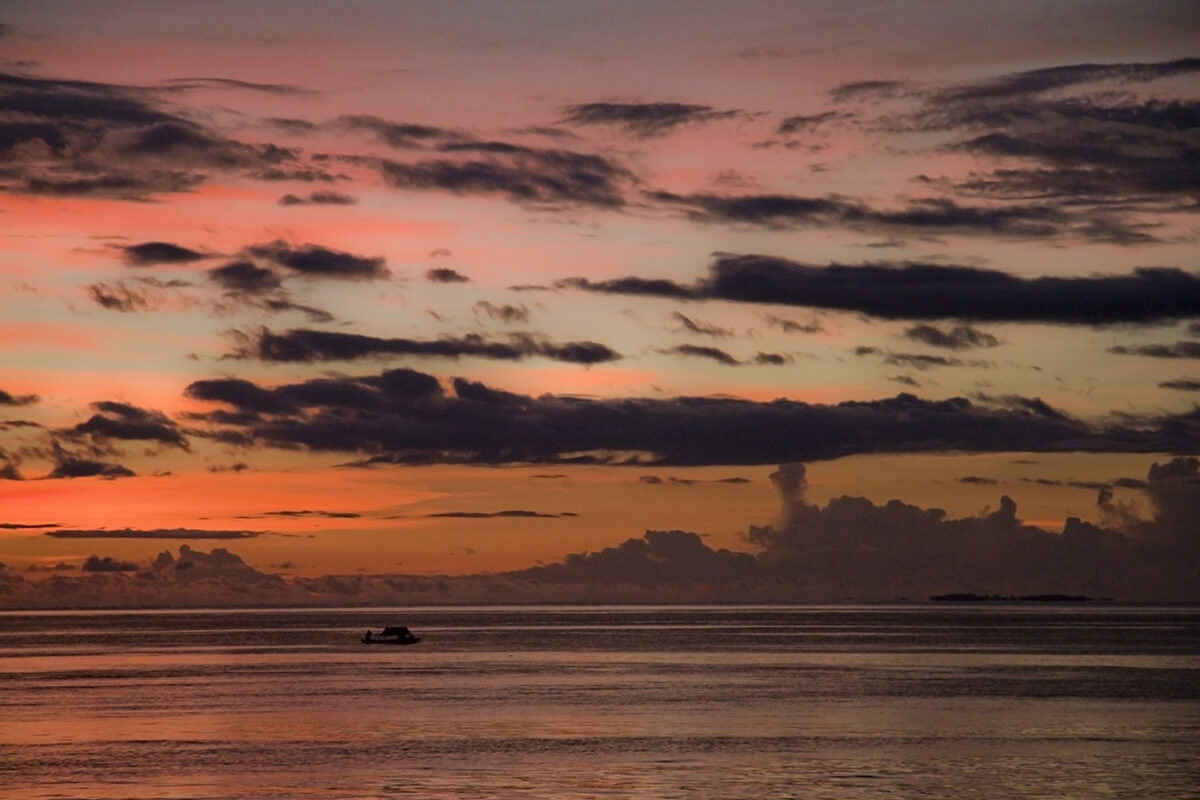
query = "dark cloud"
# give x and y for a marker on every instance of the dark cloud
(128, 422)
(327, 198)
(928, 214)
(158, 533)
(245, 276)
(711, 353)
(644, 119)
(281, 304)
(121, 297)
(703, 328)
(315, 261)
(493, 514)
(1096, 166)
(926, 291)
(772, 359)
(525, 175)
(403, 416)
(445, 275)
(651, 287)
(919, 361)
(7, 399)
(16, 526)
(654, 480)
(108, 564)
(1020, 85)
(61, 566)
(806, 123)
(116, 185)
(190, 84)
(306, 345)
(1102, 151)
(309, 512)
(977, 480)
(70, 467)
(866, 90)
(149, 253)
(1182, 385)
(791, 326)
(508, 314)
(960, 337)
(1183, 349)
(396, 134)
(81, 138)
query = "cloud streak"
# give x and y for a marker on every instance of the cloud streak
(403, 416)
(930, 292)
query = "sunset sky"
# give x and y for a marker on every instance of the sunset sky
(457, 288)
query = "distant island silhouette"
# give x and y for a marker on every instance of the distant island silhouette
(971, 597)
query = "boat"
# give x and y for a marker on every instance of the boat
(391, 635)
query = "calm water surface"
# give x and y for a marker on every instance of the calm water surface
(706, 703)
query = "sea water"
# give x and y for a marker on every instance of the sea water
(706, 703)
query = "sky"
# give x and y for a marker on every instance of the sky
(774, 300)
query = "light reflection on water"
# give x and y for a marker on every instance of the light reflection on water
(845, 702)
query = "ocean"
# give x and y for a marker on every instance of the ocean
(978, 701)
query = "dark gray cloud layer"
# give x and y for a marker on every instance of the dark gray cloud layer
(403, 416)
(930, 292)
(320, 262)
(960, 337)
(526, 175)
(644, 119)
(82, 138)
(149, 253)
(927, 214)
(7, 399)
(123, 421)
(158, 533)
(307, 345)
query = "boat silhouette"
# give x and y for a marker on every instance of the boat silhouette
(391, 635)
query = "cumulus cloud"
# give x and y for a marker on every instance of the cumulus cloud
(108, 564)
(909, 290)
(855, 548)
(659, 559)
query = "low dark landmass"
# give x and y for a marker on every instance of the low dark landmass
(971, 597)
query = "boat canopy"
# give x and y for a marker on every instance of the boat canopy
(400, 631)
